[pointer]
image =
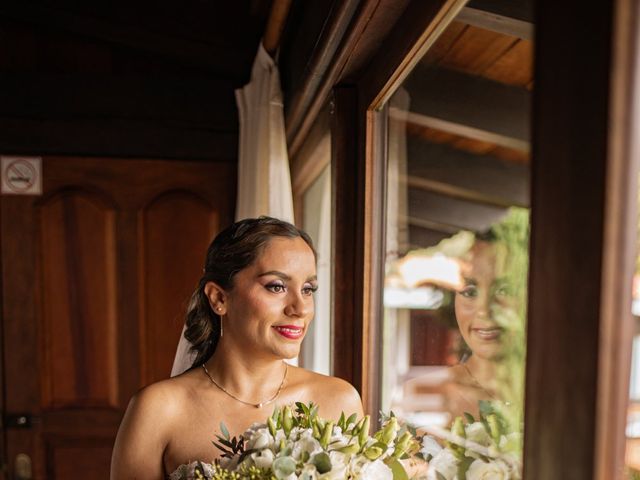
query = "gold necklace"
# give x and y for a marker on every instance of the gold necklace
(256, 405)
(477, 383)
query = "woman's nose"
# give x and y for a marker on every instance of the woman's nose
(484, 301)
(297, 305)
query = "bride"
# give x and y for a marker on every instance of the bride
(249, 313)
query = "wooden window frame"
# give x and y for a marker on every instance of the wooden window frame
(583, 224)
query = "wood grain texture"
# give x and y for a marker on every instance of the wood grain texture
(172, 249)
(570, 125)
(73, 296)
(79, 298)
(618, 326)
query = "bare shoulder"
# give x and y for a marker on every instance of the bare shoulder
(145, 430)
(333, 395)
(161, 398)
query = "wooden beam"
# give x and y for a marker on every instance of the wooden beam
(516, 9)
(445, 213)
(469, 106)
(514, 18)
(477, 178)
(115, 138)
(423, 237)
(193, 102)
(218, 59)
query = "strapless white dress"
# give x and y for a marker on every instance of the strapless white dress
(187, 471)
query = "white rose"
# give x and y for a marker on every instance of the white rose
(306, 443)
(260, 439)
(476, 432)
(430, 446)
(445, 463)
(263, 458)
(375, 471)
(494, 470)
(339, 463)
(308, 472)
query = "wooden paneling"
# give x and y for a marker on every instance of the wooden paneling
(74, 271)
(173, 248)
(68, 458)
(77, 238)
(476, 50)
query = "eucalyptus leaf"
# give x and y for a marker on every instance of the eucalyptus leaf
(225, 432)
(322, 462)
(398, 471)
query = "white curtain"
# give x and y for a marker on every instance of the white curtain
(264, 181)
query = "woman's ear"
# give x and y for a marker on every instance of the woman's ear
(217, 298)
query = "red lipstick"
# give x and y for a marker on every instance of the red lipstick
(292, 332)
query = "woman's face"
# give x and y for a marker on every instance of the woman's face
(271, 303)
(484, 296)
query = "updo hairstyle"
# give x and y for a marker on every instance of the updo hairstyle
(231, 251)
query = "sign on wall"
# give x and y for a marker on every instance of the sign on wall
(21, 175)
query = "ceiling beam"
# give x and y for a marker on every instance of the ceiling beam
(514, 18)
(447, 214)
(469, 106)
(193, 102)
(115, 138)
(455, 173)
(218, 59)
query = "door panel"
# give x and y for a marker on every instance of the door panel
(96, 276)
(79, 322)
(173, 248)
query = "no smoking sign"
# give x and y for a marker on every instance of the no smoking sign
(21, 175)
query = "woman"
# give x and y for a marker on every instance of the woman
(249, 313)
(490, 312)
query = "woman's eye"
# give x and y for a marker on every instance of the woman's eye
(310, 290)
(470, 291)
(276, 288)
(503, 291)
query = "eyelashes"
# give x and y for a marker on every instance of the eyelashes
(280, 288)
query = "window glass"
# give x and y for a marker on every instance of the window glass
(456, 262)
(316, 348)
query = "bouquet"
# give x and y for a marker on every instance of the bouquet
(480, 449)
(296, 444)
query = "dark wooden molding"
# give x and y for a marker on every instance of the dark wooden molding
(618, 326)
(570, 155)
(324, 68)
(414, 33)
(347, 205)
(185, 101)
(114, 138)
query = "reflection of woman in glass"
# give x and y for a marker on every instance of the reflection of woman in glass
(490, 312)
(484, 293)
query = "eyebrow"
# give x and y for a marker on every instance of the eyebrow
(284, 276)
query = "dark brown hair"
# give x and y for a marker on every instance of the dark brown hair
(233, 250)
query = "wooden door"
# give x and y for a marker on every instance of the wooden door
(96, 274)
